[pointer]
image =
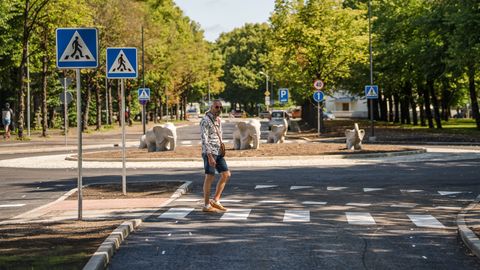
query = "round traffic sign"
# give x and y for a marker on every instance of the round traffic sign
(69, 97)
(318, 96)
(318, 84)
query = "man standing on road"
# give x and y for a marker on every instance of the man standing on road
(7, 115)
(211, 132)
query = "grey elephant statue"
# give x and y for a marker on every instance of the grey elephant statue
(160, 138)
(246, 135)
(277, 134)
(354, 138)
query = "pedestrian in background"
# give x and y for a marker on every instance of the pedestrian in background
(213, 152)
(7, 118)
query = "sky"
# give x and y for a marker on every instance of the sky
(217, 16)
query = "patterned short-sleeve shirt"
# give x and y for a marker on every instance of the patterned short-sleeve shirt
(208, 133)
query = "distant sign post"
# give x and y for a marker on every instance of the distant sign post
(318, 97)
(371, 93)
(122, 64)
(77, 48)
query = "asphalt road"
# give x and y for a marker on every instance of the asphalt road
(394, 216)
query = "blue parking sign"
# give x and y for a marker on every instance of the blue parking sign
(283, 95)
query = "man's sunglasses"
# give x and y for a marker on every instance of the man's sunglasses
(218, 107)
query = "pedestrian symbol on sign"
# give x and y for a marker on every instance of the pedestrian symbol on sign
(122, 65)
(371, 91)
(77, 50)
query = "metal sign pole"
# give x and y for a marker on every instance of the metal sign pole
(65, 109)
(318, 117)
(124, 170)
(106, 101)
(79, 135)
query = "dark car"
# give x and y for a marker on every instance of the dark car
(238, 113)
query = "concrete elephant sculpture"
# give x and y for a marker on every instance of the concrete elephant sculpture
(160, 138)
(354, 138)
(277, 134)
(246, 135)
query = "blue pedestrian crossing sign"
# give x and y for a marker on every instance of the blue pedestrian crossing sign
(144, 94)
(371, 91)
(283, 95)
(77, 47)
(122, 63)
(318, 96)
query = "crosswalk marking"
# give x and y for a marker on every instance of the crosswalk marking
(359, 204)
(335, 188)
(314, 203)
(271, 201)
(265, 186)
(188, 200)
(176, 213)
(360, 218)
(230, 201)
(299, 187)
(186, 142)
(296, 216)
(411, 190)
(427, 221)
(446, 193)
(236, 214)
(371, 189)
(404, 205)
(11, 205)
(449, 208)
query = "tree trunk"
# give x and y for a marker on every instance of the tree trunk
(390, 108)
(473, 95)
(383, 108)
(396, 102)
(44, 83)
(428, 110)
(110, 103)
(98, 100)
(446, 101)
(431, 88)
(86, 104)
(422, 114)
(412, 103)
(22, 72)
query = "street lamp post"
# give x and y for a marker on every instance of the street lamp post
(372, 136)
(266, 88)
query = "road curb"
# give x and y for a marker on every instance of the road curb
(105, 252)
(343, 156)
(470, 239)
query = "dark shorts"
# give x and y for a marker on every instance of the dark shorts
(221, 164)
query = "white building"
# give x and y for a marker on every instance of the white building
(345, 105)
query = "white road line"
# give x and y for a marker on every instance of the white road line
(230, 200)
(427, 221)
(449, 208)
(299, 187)
(411, 190)
(335, 188)
(265, 186)
(371, 189)
(11, 205)
(359, 204)
(236, 214)
(271, 201)
(186, 142)
(296, 216)
(176, 213)
(446, 193)
(404, 205)
(314, 203)
(188, 200)
(360, 218)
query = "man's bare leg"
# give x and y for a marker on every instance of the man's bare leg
(221, 184)
(207, 184)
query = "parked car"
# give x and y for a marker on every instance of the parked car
(238, 113)
(192, 113)
(328, 116)
(264, 114)
(276, 118)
